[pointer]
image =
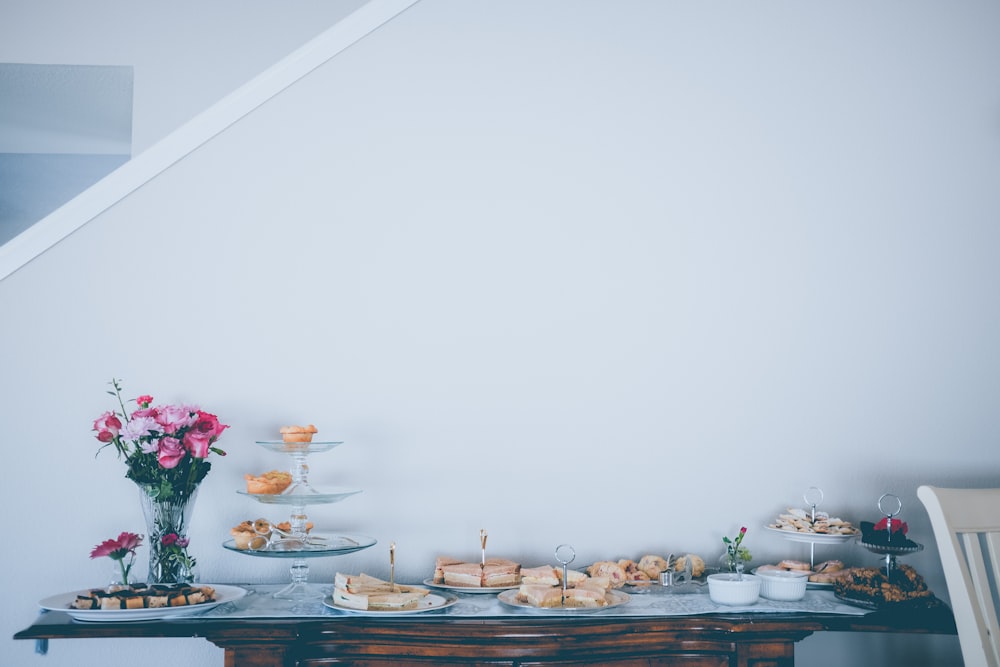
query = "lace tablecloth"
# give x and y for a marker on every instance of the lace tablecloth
(663, 601)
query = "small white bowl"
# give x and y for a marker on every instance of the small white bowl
(728, 588)
(782, 585)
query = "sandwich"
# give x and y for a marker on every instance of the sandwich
(366, 592)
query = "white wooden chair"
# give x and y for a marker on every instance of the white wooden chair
(966, 525)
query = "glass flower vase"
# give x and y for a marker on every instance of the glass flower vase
(167, 521)
(732, 563)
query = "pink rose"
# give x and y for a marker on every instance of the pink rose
(107, 426)
(168, 539)
(170, 453)
(144, 401)
(174, 417)
(205, 430)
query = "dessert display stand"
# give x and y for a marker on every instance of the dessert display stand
(813, 497)
(890, 506)
(299, 543)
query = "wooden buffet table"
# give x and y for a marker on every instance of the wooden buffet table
(643, 637)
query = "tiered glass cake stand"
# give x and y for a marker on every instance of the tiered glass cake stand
(298, 543)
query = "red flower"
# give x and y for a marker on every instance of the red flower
(168, 539)
(203, 433)
(897, 525)
(144, 401)
(117, 549)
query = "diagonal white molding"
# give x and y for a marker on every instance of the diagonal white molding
(142, 168)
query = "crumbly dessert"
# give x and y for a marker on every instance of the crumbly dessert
(870, 584)
(268, 483)
(297, 433)
(141, 596)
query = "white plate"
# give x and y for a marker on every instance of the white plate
(62, 602)
(430, 602)
(614, 598)
(813, 538)
(469, 589)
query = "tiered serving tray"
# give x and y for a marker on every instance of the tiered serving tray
(299, 543)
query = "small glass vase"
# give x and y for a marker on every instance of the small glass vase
(166, 536)
(732, 563)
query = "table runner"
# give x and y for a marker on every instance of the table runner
(260, 603)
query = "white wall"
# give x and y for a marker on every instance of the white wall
(686, 259)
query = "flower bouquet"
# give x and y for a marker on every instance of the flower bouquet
(166, 450)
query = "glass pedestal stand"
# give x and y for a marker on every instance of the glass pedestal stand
(297, 541)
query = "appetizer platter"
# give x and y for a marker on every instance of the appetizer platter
(365, 594)
(212, 596)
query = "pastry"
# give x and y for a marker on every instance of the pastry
(870, 584)
(789, 564)
(610, 569)
(246, 536)
(269, 483)
(829, 566)
(286, 527)
(697, 564)
(798, 520)
(297, 433)
(140, 596)
(651, 565)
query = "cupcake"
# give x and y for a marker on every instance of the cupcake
(297, 433)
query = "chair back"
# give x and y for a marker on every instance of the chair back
(966, 524)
